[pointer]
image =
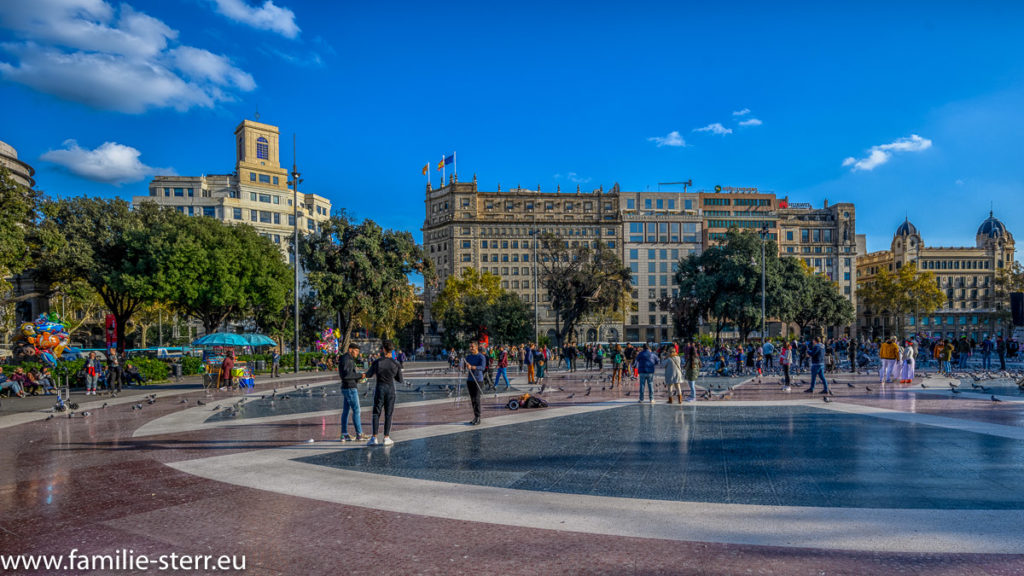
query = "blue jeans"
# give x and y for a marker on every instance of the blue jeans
(963, 361)
(351, 402)
(501, 373)
(986, 361)
(946, 368)
(818, 371)
(649, 380)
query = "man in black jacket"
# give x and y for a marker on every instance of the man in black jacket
(387, 371)
(350, 377)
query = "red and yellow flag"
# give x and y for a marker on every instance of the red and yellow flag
(426, 168)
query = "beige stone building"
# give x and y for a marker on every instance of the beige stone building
(21, 171)
(825, 239)
(965, 274)
(256, 193)
(496, 231)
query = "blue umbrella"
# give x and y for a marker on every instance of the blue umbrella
(222, 339)
(259, 340)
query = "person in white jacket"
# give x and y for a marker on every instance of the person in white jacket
(673, 375)
(909, 363)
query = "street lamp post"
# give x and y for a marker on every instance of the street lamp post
(295, 246)
(764, 239)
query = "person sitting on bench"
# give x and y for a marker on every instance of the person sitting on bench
(132, 375)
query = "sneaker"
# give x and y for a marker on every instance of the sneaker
(809, 391)
(346, 438)
(388, 441)
(827, 392)
(361, 437)
(690, 399)
(652, 400)
(372, 442)
(641, 401)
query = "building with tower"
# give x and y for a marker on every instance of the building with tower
(256, 193)
(966, 275)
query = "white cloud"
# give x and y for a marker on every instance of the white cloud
(751, 122)
(673, 139)
(715, 128)
(573, 177)
(743, 112)
(88, 52)
(878, 155)
(267, 17)
(111, 163)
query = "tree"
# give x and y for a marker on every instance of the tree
(894, 296)
(818, 302)
(147, 316)
(214, 271)
(107, 245)
(79, 304)
(359, 271)
(474, 301)
(17, 217)
(581, 280)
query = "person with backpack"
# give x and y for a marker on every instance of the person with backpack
(645, 363)
(618, 365)
(387, 371)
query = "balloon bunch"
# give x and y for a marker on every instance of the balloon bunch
(45, 338)
(329, 341)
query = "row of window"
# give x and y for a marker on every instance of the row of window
(263, 178)
(659, 204)
(510, 205)
(663, 254)
(504, 257)
(179, 192)
(956, 265)
(663, 232)
(949, 320)
(739, 223)
(655, 267)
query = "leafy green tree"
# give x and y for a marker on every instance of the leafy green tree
(18, 214)
(894, 296)
(360, 271)
(107, 245)
(581, 280)
(474, 301)
(214, 271)
(818, 302)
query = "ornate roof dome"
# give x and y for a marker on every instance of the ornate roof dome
(906, 229)
(992, 227)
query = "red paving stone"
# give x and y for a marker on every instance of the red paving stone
(87, 484)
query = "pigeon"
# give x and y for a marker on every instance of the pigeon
(215, 408)
(200, 402)
(850, 385)
(827, 400)
(869, 388)
(954, 390)
(994, 399)
(137, 407)
(418, 389)
(86, 414)
(104, 405)
(984, 389)
(922, 385)
(50, 417)
(628, 392)
(588, 391)
(183, 401)
(570, 396)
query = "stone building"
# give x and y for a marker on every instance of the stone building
(965, 274)
(741, 208)
(496, 231)
(658, 229)
(21, 171)
(256, 193)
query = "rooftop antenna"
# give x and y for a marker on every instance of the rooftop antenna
(257, 115)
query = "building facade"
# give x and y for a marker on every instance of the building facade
(21, 171)
(496, 232)
(966, 275)
(741, 208)
(825, 239)
(256, 193)
(658, 229)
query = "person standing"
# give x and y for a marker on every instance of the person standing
(851, 351)
(618, 365)
(92, 368)
(645, 363)
(113, 371)
(1001, 352)
(350, 377)
(529, 358)
(909, 362)
(227, 368)
(388, 371)
(816, 354)
(769, 355)
(673, 375)
(692, 371)
(987, 347)
(888, 352)
(475, 364)
(275, 364)
(946, 356)
(785, 361)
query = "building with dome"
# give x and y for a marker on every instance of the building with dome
(965, 274)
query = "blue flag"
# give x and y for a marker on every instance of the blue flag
(448, 161)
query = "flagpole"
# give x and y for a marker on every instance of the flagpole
(443, 179)
(428, 174)
(455, 164)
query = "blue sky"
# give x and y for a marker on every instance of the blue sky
(904, 110)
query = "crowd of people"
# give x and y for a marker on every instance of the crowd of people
(110, 373)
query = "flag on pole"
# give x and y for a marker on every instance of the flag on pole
(449, 160)
(440, 165)
(426, 168)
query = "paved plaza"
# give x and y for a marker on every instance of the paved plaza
(900, 479)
